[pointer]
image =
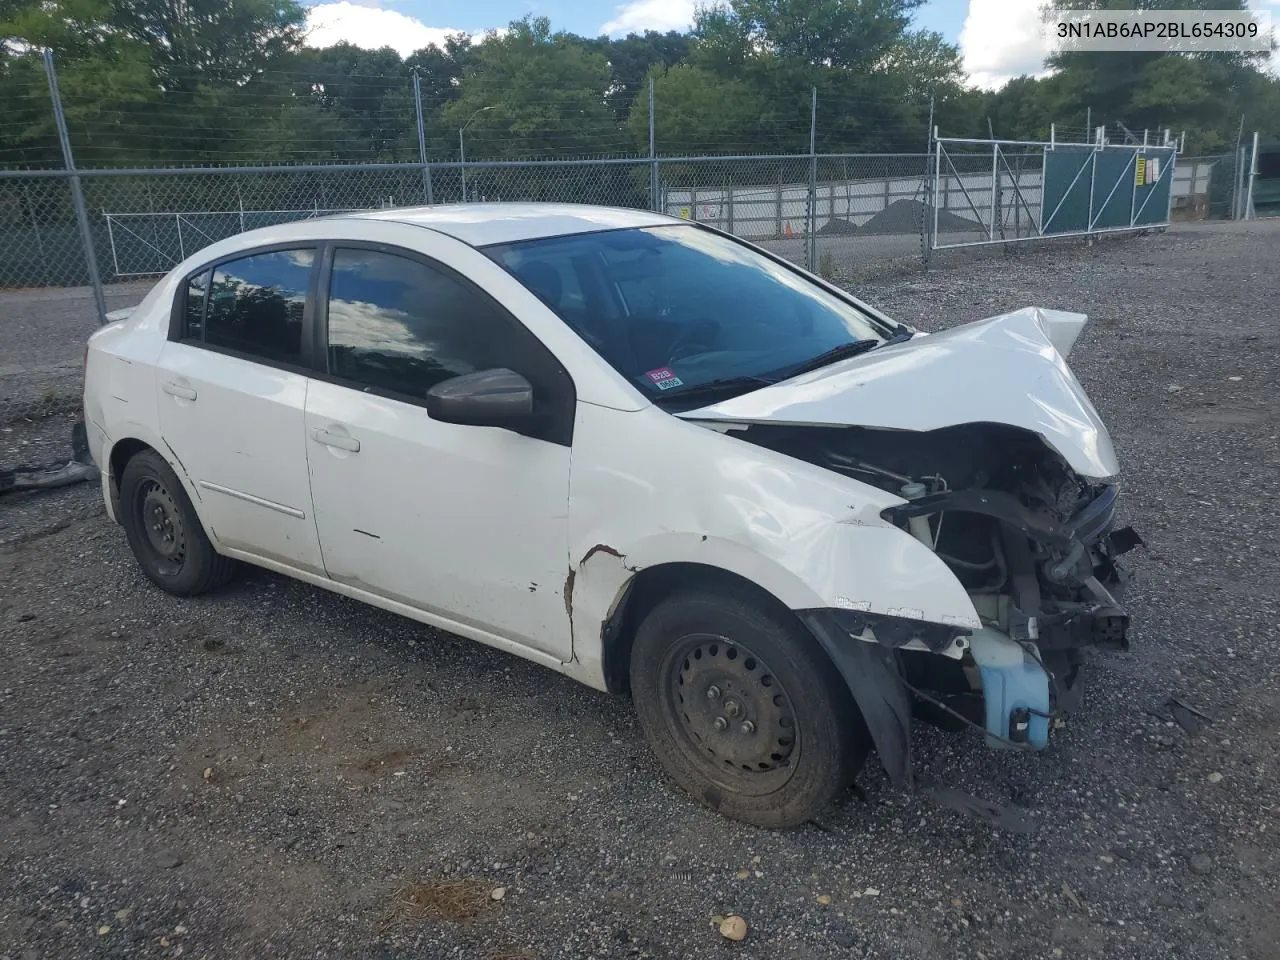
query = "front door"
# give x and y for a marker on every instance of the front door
(231, 391)
(469, 523)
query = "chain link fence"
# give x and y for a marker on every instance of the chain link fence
(823, 212)
(77, 243)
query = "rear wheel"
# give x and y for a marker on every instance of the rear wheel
(164, 531)
(743, 708)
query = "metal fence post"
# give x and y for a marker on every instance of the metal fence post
(937, 174)
(778, 208)
(811, 241)
(1093, 185)
(1017, 207)
(653, 153)
(995, 176)
(77, 194)
(422, 137)
(31, 213)
(1249, 212)
(111, 236)
(930, 195)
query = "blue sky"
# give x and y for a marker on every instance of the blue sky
(998, 39)
(587, 16)
(394, 21)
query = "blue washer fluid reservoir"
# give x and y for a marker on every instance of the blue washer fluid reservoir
(1012, 681)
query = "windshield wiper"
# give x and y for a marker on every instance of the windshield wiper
(851, 349)
(903, 334)
(845, 350)
(719, 385)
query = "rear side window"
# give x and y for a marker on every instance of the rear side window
(398, 325)
(256, 305)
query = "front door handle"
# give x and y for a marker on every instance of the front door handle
(181, 391)
(320, 435)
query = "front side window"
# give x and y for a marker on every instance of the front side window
(398, 325)
(674, 308)
(256, 305)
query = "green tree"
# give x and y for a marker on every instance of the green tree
(698, 112)
(534, 93)
(1203, 94)
(630, 60)
(102, 73)
(196, 42)
(873, 74)
(849, 34)
(364, 97)
(140, 79)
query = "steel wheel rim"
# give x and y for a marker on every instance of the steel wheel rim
(162, 527)
(730, 714)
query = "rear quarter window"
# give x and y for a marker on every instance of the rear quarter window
(197, 292)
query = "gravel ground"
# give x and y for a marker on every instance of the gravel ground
(261, 772)
(42, 335)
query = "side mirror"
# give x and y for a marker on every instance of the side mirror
(486, 398)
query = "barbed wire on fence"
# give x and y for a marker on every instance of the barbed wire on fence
(159, 183)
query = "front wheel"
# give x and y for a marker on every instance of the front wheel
(164, 531)
(743, 708)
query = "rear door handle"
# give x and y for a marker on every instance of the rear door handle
(174, 389)
(320, 435)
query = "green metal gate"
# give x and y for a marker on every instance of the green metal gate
(999, 191)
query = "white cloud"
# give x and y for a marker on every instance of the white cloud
(1002, 39)
(640, 15)
(370, 27)
(1272, 64)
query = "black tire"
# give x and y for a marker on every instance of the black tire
(703, 657)
(164, 531)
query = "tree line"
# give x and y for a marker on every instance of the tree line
(162, 82)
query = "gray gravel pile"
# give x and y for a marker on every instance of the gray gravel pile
(261, 772)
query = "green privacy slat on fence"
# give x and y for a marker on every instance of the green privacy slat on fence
(1113, 188)
(1066, 190)
(1107, 188)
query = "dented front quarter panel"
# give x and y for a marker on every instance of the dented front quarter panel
(649, 489)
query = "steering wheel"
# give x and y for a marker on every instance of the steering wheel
(693, 339)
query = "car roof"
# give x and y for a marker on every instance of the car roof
(480, 224)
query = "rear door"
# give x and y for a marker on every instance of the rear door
(232, 384)
(469, 523)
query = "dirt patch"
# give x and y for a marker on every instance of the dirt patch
(452, 900)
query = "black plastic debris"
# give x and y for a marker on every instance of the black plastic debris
(60, 473)
(1012, 819)
(1187, 717)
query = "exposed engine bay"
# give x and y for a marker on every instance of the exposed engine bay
(1032, 543)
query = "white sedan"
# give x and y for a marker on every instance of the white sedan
(640, 452)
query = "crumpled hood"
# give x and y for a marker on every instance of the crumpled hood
(1007, 369)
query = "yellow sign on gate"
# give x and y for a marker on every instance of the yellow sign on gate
(1141, 171)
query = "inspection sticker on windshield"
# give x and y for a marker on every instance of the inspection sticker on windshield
(664, 379)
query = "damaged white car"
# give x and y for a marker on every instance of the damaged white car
(640, 452)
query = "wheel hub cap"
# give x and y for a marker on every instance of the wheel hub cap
(163, 525)
(732, 707)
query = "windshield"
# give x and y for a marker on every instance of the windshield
(681, 311)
